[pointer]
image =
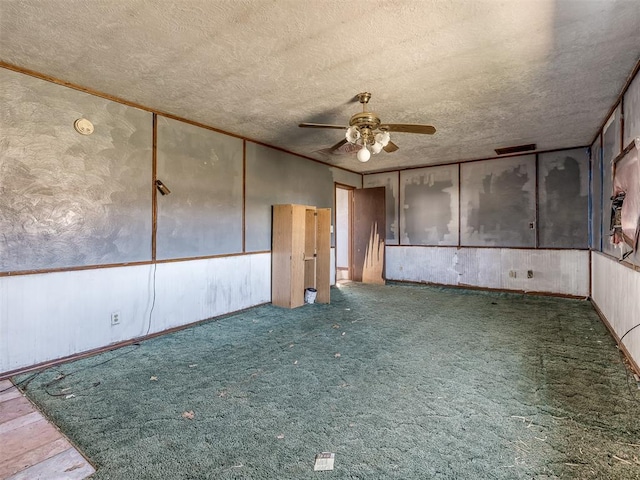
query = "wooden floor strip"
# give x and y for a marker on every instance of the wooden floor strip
(19, 441)
(31, 447)
(8, 391)
(4, 384)
(6, 427)
(33, 457)
(14, 408)
(67, 465)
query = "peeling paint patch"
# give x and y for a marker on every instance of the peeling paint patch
(498, 202)
(429, 198)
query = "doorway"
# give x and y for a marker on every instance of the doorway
(343, 233)
(368, 235)
(359, 234)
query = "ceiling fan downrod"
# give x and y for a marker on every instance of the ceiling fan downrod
(364, 98)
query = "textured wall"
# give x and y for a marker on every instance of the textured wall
(429, 199)
(275, 177)
(563, 194)
(632, 111)
(346, 177)
(390, 182)
(67, 199)
(596, 195)
(632, 130)
(554, 271)
(610, 149)
(497, 202)
(203, 169)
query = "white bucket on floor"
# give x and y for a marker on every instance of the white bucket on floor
(310, 295)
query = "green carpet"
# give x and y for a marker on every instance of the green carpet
(399, 381)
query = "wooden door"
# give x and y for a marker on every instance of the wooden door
(310, 248)
(287, 256)
(369, 229)
(323, 260)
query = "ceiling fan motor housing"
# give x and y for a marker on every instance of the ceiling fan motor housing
(366, 123)
(365, 120)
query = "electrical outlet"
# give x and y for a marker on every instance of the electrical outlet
(115, 318)
(512, 273)
(529, 273)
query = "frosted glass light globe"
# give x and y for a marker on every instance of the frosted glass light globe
(352, 134)
(384, 138)
(364, 155)
(376, 148)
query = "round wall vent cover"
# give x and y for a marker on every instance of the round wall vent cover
(83, 126)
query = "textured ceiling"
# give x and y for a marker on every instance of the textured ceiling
(486, 73)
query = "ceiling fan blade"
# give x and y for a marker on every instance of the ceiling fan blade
(390, 147)
(338, 145)
(408, 128)
(322, 125)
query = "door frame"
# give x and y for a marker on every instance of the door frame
(349, 189)
(369, 217)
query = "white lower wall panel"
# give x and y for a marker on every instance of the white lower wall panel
(48, 316)
(422, 264)
(615, 290)
(554, 271)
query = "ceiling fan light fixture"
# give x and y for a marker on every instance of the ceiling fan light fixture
(367, 135)
(384, 138)
(352, 135)
(363, 154)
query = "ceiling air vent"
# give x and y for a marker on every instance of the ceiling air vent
(516, 149)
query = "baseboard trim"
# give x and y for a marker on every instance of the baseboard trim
(114, 346)
(489, 289)
(634, 365)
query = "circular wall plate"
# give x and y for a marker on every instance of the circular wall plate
(83, 126)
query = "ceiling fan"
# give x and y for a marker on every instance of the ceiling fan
(366, 131)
